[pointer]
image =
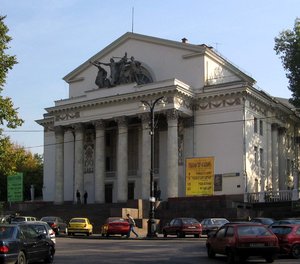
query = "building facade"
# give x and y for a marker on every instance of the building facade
(97, 140)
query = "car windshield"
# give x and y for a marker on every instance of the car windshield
(6, 232)
(253, 231)
(282, 230)
(48, 219)
(189, 221)
(113, 220)
(19, 219)
(77, 220)
(265, 221)
(219, 221)
(40, 229)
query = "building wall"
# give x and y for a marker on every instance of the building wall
(218, 134)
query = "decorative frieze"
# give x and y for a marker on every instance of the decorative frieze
(67, 116)
(180, 142)
(217, 103)
(258, 108)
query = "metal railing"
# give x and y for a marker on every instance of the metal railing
(273, 196)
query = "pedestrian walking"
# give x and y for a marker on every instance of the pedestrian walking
(132, 225)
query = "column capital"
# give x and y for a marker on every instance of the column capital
(122, 121)
(59, 129)
(145, 117)
(99, 124)
(78, 126)
(172, 114)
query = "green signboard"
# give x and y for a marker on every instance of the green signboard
(15, 188)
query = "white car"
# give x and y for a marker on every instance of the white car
(20, 218)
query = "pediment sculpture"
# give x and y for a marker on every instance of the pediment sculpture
(122, 71)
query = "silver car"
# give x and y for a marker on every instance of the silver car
(42, 228)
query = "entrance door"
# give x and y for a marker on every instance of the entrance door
(130, 191)
(108, 193)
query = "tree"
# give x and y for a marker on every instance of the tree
(8, 114)
(287, 45)
(17, 159)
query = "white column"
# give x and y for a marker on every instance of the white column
(122, 160)
(59, 165)
(100, 162)
(275, 160)
(172, 154)
(78, 181)
(146, 156)
(282, 180)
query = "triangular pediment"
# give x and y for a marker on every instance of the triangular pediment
(160, 59)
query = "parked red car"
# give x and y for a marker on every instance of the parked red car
(115, 226)
(238, 241)
(289, 239)
(183, 226)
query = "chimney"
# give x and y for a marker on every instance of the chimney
(184, 40)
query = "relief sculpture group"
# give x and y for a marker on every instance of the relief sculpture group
(121, 72)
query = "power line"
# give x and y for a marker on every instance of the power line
(158, 113)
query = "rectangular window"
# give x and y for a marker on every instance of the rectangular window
(261, 127)
(255, 155)
(255, 125)
(261, 157)
(288, 167)
(133, 151)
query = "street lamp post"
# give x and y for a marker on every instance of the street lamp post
(151, 232)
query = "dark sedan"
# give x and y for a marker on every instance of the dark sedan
(238, 241)
(183, 226)
(57, 224)
(289, 239)
(21, 243)
(212, 224)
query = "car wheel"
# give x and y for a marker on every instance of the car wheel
(270, 259)
(50, 256)
(296, 251)
(21, 258)
(210, 252)
(231, 257)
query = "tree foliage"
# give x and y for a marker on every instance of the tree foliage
(287, 45)
(13, 158)
(8, 114)
(17, 159)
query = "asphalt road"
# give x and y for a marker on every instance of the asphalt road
(83, 250)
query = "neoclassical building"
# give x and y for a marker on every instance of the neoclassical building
(97, 140)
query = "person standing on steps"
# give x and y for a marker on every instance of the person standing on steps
(78, 197)
(85, 196)
(132, 225)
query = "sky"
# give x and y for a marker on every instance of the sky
(52, 37)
